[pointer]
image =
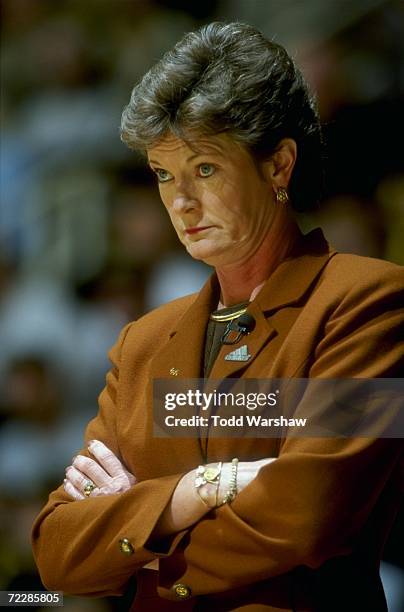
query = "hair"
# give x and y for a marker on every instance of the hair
(228, 78)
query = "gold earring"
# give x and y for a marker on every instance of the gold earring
(282, 196)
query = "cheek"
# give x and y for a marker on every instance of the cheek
(164, 195)
(175, 221)
(166, 200)
(217, 200)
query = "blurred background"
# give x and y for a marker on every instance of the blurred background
(85, 245)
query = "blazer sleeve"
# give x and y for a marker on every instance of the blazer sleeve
(313, 501)
(76, 544)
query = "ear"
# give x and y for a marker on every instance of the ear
(278, 168)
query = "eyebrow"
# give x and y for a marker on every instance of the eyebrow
(153, 161)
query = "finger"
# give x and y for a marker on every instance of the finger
(112, 489)
(78, 480)
(131, 477)
(106, 458)
(120, 484)
(90, 469)
(84, 468)
(71, 490)
(102, 491)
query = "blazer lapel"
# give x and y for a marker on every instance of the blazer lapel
(182, 355)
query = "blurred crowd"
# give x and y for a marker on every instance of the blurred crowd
(85, 245)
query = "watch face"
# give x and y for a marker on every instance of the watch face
(211, 473)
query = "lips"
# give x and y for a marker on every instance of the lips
(195, 230)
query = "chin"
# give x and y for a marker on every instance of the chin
(202, 252)
(210, 255)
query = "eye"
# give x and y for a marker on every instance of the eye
(206, 170)
(163, 175)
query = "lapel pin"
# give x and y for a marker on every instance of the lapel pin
(240, 354)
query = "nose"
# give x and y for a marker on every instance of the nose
(184, 201)
(182, 204)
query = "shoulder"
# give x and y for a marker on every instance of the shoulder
(154, 327)
(359, 287)
(357, 264)
(360, 301)
(347, 273)
(356, 290)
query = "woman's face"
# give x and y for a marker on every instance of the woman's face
(220, 205)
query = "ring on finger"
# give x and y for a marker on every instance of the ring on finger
(88, 488)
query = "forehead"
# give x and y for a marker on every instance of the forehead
(172, 146)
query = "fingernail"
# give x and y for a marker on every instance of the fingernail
(92, 445)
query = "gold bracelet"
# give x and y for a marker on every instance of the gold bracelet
(232, 490)
(205, 475)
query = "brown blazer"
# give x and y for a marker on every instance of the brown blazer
(307, 534)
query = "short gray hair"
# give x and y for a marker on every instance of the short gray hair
(228, 78)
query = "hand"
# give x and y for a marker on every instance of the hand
(107, 473)
(246, 472)
(186, 507)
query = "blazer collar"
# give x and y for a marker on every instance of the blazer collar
(182, 355)
(182, 350)
(293, 277)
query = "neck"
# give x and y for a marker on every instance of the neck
(238, 281)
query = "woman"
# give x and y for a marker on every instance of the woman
(294, 524)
